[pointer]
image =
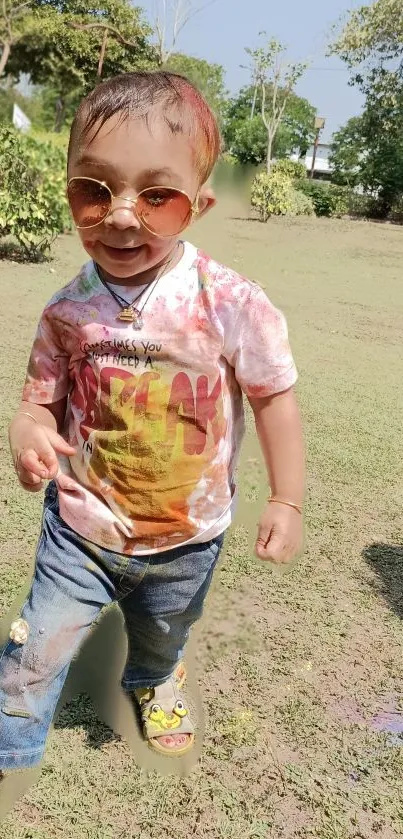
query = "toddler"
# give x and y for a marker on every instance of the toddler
(132, 411)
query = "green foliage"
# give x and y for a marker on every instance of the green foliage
(372, 32)
(65, 59)
(33, 205)
(229, 159)
(328, 199)
(246, 136)
(15, 21)
(369, 149)
(270, 68)
(371, 41)
(250, 141)
(302, 205)
(348, 153)
(396, 213)
(208, 78)
(291, 168)
(274, 195)
(363, 206)
(29, 104)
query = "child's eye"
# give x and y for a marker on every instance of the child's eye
(157, 197)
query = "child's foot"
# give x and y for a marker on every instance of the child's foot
(166, 723)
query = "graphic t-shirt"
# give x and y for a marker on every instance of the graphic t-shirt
(156, 415)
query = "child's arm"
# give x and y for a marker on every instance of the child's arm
(35, 431)
(35, 442)
(278, 425)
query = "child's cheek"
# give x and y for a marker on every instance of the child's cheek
(88, 243)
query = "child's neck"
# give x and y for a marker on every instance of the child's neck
(145, 277)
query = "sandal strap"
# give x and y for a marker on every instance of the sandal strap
(164, 711)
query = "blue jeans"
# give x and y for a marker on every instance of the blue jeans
(160, 595)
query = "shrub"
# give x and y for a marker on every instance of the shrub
(303, 204)
(228, 158)
(362, 206)
(396, 213)
(274, 195)
(328, 199)
(33, 204)
(291, 169)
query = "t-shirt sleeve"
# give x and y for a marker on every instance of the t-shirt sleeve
(47, 379)
(258, 348)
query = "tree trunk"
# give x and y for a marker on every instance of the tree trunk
(4, 56)
(270, 139)
(252, 112)
(102, 55)
(60, 114)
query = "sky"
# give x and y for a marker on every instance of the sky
(221, 31)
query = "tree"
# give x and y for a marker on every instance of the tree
(170, 19)
(249, 141)
(372, 33)
(371, 42)
(348, 153)
(270, 69)
(369, 150)
(246, 135)
(59, 51)
(13, 19)
(208, 78)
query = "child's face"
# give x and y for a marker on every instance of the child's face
(129, 157)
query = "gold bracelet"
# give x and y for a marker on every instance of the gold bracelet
(27, 414)
(296, 507)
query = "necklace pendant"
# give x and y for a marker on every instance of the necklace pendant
(127, 314)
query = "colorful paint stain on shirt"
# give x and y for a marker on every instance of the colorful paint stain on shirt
(157, 415)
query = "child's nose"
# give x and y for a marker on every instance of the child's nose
(123, 214)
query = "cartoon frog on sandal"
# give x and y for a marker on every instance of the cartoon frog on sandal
(167, 726)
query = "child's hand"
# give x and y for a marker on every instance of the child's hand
(281, 534)
(34, 448)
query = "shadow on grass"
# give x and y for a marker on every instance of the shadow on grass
(81, 713)
(92, 690)
(387, 562)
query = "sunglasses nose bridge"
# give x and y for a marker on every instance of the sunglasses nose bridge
(116, 198)
(123, 214)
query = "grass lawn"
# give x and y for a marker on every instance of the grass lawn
(300, 675)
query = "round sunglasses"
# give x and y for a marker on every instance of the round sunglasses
(163, 210)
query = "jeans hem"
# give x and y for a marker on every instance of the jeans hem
(20, 760)
(134, 684)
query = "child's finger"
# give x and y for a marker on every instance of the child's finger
(64, 482)
(58, 443)
(48, 457)
(31, 461)
(273, 549)
(30, 482)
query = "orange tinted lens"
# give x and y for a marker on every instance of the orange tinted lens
(164, 211)
(90, 201)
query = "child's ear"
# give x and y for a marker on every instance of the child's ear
(207, 200)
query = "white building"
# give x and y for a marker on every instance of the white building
(323, 168)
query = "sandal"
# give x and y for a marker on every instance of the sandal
(163, 712)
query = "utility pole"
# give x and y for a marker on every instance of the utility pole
(320, 123)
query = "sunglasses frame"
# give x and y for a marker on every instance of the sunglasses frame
(194, 210)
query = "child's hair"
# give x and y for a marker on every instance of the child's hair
(137, 94)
